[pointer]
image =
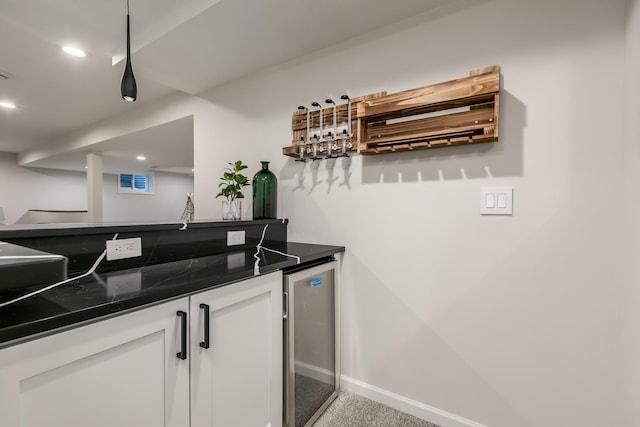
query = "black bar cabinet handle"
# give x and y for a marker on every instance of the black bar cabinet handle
(285, 305)
(205, 343)
(182, 354)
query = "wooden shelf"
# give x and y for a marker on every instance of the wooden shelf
(458, 112)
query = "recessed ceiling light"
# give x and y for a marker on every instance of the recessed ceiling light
(74, 51)
(141, 158)
(8, 105)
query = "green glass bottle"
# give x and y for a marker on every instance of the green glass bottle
(265, 193)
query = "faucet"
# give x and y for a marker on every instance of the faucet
(330, 142)
(302, 143)
(345, 143)
(320, 140)
(332, 136)
(314, 142)
(346, 135)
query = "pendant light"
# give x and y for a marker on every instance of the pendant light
(128, 87)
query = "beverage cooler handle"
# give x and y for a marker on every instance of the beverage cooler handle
(285, 305)
(206, 342)
(182, 354)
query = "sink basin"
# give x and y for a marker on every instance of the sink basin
(21, 267)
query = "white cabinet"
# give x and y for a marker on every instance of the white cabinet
(237, 380)
(118, 372)
(125, 371)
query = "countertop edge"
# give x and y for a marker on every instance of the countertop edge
(22, 333)
(51, 230)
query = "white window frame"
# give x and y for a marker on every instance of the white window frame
(149, 178)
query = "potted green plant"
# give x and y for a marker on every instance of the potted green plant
(231, 189)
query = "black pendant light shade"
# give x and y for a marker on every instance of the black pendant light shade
(128, 87)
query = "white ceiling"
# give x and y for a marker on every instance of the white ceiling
(187, 45)
(119, 154)
(236, 37)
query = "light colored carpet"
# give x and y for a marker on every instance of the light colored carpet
(310, 395)
(352, 410)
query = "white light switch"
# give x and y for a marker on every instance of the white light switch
(490, 201)
(502, 200)
(496, 200)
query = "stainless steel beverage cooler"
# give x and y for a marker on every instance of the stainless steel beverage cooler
(311, 367)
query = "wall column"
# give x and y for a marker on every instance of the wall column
(94, 187)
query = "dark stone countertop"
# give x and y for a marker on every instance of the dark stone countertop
(63, 229)
(103, 295)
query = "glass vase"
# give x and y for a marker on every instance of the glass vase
(265, 193)
(231, 210)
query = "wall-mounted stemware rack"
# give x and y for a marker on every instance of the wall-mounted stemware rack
(310, 142)
(458, 112)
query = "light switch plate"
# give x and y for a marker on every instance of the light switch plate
(496, 201)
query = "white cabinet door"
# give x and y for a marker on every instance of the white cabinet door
(118, 372)
(237, 381)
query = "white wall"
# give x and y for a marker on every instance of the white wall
(166, 204)
(507, 321)
(631, 244)
(521, 321)
(22, 188)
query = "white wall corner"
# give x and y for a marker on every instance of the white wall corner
(404, 404)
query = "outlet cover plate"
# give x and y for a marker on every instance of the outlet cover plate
(124, 248)
(235, 238)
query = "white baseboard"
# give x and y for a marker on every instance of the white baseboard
(409, 406)
(315, 372)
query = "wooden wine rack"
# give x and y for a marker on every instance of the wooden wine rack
(458, 112)
(299, 123)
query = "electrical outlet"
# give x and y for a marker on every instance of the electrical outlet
(124, 248)
(235, 238)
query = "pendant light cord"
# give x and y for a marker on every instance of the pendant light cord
(128, 35)
(128, 87)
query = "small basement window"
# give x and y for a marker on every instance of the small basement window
(135, 183)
